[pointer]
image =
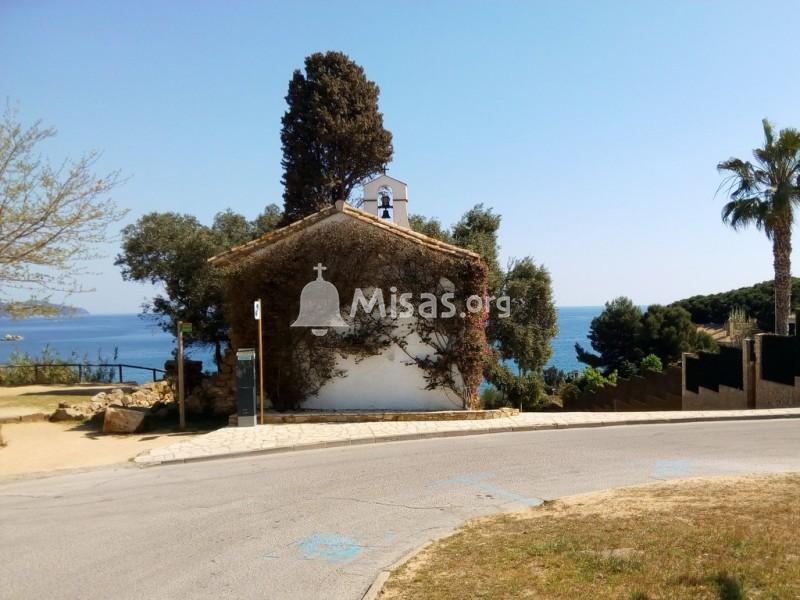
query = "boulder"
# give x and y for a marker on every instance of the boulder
(70, 413)
(123, 420)
(100, 397)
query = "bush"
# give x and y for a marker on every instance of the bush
(651, 363)
(491, 398)
(24, 369)
(592, 379)
(525, 392)
(569, 392)
(554, 378)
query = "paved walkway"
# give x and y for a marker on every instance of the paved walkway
(237, 441)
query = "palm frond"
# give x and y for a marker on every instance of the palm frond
(742, 178)
(765, 192)
(746, 211)
(769, 135)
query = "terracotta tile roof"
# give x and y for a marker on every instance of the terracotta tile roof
(239, 252)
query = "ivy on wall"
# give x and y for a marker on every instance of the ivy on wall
(358, 255)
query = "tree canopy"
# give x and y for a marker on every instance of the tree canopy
(430, 227)
(525, 335)
(333, 136)
(171, 250)
(51, 218)
(614, 335)
(757, 301)
(622, 336)
(477, 231)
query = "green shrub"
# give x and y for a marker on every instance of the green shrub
(49, 367)
(593, 379)
(524, 391)
(554, 378)
(651, 362)
(491, 398)
(569, 392)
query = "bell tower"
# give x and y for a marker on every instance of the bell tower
(387, 197)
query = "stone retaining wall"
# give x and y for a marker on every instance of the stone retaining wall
(373, 417)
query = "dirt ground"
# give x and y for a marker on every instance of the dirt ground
(85, 389)
(33, 448)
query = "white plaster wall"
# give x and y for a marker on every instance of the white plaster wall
(384, 382)
(400, 213)
(370, 206)
(399, 188)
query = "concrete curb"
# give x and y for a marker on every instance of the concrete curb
(375, 588)
(463, 432)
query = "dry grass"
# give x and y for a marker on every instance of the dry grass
(726, 539)
(27, 404)
(26, 399)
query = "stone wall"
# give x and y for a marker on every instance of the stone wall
(756, 391)
(724, 397)
(216, 395)
(770, 394)
(727, 398)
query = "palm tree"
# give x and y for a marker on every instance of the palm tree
(764, 193)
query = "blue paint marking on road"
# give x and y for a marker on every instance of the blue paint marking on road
(332, 547)
(478, 481)
(673, 468)
(468, 479)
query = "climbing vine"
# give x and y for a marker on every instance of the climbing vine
(359, 255)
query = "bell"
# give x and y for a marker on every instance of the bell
(385, 214)
(385, 201)
(319, 305)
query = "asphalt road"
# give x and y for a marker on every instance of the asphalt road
(324, 523)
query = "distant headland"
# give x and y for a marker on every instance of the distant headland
(39, 308)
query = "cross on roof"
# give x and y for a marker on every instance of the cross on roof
(319, 269)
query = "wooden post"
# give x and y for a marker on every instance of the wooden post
(260, 360)
(80, 373)
(181, 409)
(120, 373)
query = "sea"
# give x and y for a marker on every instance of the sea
(136, 340)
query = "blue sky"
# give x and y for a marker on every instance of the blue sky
(593, 128)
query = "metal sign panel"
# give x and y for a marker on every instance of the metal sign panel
(246, 386)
